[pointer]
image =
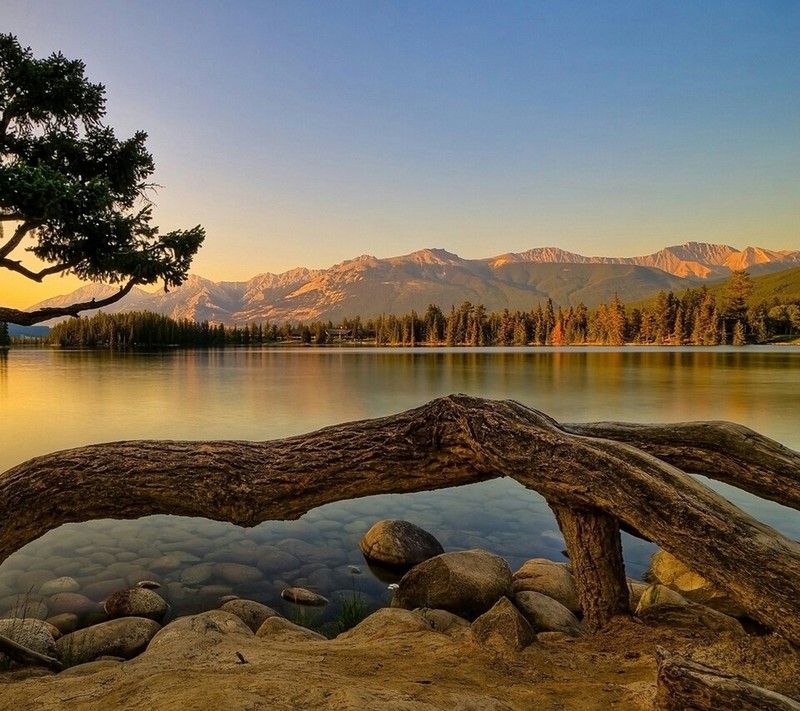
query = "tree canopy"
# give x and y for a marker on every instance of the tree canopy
(71, 193)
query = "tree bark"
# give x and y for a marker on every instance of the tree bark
(450, 441)
(19, 653)
(595, 552)
(685, 685)
(724, 451)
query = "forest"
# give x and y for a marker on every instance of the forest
(697, 317)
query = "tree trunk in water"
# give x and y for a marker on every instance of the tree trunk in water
(595, 551)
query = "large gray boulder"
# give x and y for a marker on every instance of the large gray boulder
(125, 637)
(546, 614)
(399, 544)
(466, 583)
(668, 570)
(503, 630)
(548, 578)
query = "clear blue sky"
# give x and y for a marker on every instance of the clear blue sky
(305, 133)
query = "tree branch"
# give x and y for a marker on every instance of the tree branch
(11, 217)
(725, 451)
(19, 653)
(29, 318)
(17, 237)
(16, 266)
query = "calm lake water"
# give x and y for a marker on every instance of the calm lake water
(52, 399)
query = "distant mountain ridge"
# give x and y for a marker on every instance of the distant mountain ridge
(367, 286)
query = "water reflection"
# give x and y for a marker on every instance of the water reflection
(52, 399)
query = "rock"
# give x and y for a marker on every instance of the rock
(65, 623)
(546, 614)
(503, 629)
(273, 560)
(136, 602)
(197, 575)
(551, 579)
(27, 607)
(636, 588)
(125, 637)
(87, 668)
(301, 596)
(250, 612)
(282, 626)
(75, 603)
(659, 595)
(236, 573)
(387, 622)
(443, 621)
(148, 584)
(668, 570)
(691, 616)
(399, 544)
(58, 585)
(100, 590)
(466, 583)
(187, 637)
(32, 579)
(31, 633)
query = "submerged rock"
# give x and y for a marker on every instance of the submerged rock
(466, 583)
(399, 544)
(65, 583)
(301, 596)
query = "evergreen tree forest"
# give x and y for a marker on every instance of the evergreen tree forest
(697, 317)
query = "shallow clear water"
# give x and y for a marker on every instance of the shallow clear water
(55, 399)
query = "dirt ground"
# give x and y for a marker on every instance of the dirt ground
(391, 664)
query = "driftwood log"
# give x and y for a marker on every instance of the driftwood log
(686, 685)
(593, 483)
(19, 653)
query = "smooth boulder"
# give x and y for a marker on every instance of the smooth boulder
(669, 571)
(136, 602)
(551, 579)
(124, 637)
(466, 583)
(546, 614)
(399, 544)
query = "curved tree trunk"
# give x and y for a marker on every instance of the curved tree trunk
(724, 451)
(450, 441)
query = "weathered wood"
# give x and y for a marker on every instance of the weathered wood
(19, 653)
(724, 451)
(686, 685)
(595, 553)
(450, 441)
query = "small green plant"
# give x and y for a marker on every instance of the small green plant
(352, 610)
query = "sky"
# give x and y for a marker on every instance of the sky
(306, 133)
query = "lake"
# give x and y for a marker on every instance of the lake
(54, 399)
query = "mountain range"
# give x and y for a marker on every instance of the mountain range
(367, 286)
